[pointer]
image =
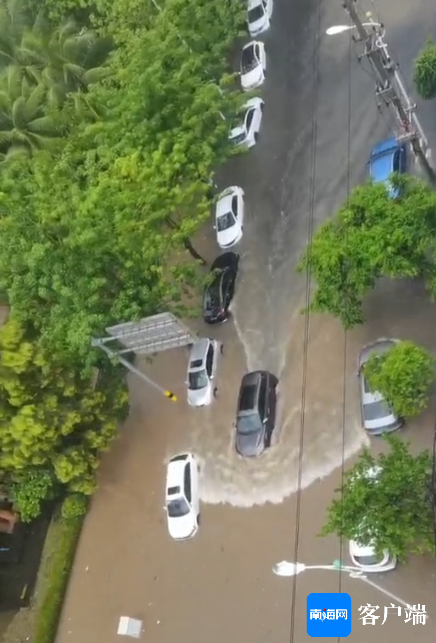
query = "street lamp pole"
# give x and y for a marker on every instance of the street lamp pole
(286, 568)
(390, 87)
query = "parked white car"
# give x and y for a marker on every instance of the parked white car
(202, 367)
(182, 500)
(246, 131)
(253, 65)
(259, 14)
(229, 217)
(365, 558)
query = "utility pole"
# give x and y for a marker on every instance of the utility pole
(389, 85)
(100, 343)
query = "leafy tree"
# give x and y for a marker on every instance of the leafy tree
(391, 508)
(53, 424)
(30, 490)
(91, 236)
(403, 376)
(74, 506)
(424, 72)
(372, 236)
(24, 126)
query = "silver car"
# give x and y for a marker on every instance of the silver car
(377, 415)
(203, 361)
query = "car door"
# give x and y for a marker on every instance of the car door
(263, 405)
(240, 209)
(250, 125)
(260, 53)
(195, 486)
(226, 287)
(187, 486)
(210, 361)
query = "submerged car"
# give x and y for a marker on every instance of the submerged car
(259, 14)
(229, 217)
(365, 557)
(377, 415)
(387, 157)
(218, 294)
(182, 500)
(256, 413)
(245, 133)
(253, 65)
(203, 362)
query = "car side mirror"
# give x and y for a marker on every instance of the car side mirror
(265, 421)
(164, 508)
(214, 227)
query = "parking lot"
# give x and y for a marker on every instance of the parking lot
(220, 584)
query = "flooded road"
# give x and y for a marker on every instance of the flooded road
(317, 132)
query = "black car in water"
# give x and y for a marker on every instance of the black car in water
(256, 413)
(219, 292)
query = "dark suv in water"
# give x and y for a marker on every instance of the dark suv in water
(256, 413)
(219, 292)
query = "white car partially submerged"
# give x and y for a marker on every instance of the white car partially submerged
(365, 558)
(253, 65)
(229, 217)
(182, 501)
(246, 131)
(259, 14)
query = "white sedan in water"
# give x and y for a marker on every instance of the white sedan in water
(259, 15)
(253, 65)
(365, 558)
(182, 499)
(229, 217)
(245, 133)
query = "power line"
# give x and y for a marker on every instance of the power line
(345, 345)
(307, 307)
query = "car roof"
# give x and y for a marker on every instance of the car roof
(249, 391)
(381, 159)
(378, 347)
(253, 3)
(199, 350)
(176, 470)
(223, 205)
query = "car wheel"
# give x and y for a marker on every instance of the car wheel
(222, 349)
(215, 392)
(198, 519)
(256, 136)
(262, 107)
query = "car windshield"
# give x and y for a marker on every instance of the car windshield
(248, 61)
(239, 138)
(225, 221)
(376, 410)
(249, 424)
(177, 508)
(367, 560)
(256, 13)
(197, 380)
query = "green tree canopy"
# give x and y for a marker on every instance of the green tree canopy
(403, 376)
(424, 71)
(390, 510)
(53, 424)
(372, 236)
